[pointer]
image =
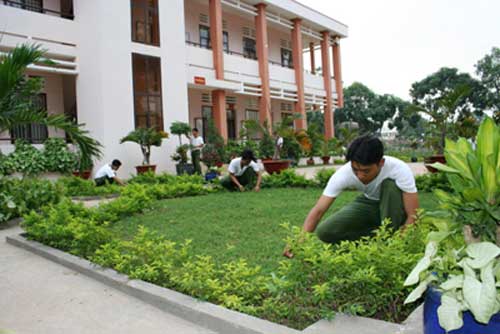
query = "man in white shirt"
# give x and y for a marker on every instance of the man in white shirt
(196, 146)
(107, 174)
(242, 172)
(278, 145)
(388, 187)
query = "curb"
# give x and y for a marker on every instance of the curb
(11, 223)
(94, 198)
(210, 316)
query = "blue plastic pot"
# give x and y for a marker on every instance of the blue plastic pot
(210, 176)
(471, 326)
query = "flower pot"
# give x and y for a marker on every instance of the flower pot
(432, 159)
(326, 160)
(310, 162)
(184, 168)
(145, 168)
(83, 174)
(275, 166)
(219, 164)
(211, 175)
(471, 326)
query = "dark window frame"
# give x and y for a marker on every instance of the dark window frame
(284, 62)
(27, 131)
(147, 93)
(147, 11)
(249, 52)
(225, 41)
(205, 42)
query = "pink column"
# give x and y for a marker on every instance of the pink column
(298, 63)
(337, 73)
(262, 55)
(325, 60)
(218, 96)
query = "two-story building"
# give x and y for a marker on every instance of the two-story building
(123, 64)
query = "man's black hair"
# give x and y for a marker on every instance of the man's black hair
(248, 155)
(116, 163)
(365, 150)
(195, 129)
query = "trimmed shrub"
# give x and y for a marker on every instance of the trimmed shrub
(323, 176)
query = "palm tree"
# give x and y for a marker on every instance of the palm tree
(16, 100)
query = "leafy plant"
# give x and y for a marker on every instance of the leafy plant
(181, 154)
(432, 181)
(210, 155)
(145, 138)
(76, 186)
(214, 138)
(323, 176)
(461, 258)
(26, 159)
(57, 156)
(179, 129)
(286, 178)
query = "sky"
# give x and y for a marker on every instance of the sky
(394, 43)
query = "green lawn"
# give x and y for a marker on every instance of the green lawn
(233, 225)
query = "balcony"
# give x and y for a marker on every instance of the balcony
(62, 8)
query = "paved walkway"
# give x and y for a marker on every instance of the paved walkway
(418, 168)
(40, 296)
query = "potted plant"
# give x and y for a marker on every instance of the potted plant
(461, 267)
(315, 141)
(145, 137)
(326, 151)
(179, 129)
(181, 157)
(83, 166)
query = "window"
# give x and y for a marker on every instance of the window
(32, 133)
(231, 123)
(145, 23)
(225, 41)
(32, 5)
(147, 92)
(252, 115)
(205, 37)
(202, 123)
(249, 50)
(286, 58)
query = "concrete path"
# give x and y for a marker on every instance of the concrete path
(40, 296)
(418, 168)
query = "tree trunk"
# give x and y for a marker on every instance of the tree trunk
(146, 152)
(442, 140)
(469, 236)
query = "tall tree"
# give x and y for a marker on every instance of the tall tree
(488, 69)
(16, 100)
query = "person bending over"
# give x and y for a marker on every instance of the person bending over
(107, 174)
(243, 172)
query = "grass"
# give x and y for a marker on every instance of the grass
(229, 226)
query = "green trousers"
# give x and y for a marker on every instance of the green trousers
(247, 180)
(195, 157)
(362, 216)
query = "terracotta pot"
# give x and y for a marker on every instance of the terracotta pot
(145, 168)
(84, 174)
(275, 166)
(310, 162)
(432, 159)
(219, 164)
(326, 160)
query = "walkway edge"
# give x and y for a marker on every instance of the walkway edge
(210, 316)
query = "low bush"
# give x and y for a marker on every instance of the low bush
(76, 186)
(286, 179)
(26, 159)
(432, 181)
(323, 175)
(18, 197)
(57, 157)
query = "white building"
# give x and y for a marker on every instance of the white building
(121, 64)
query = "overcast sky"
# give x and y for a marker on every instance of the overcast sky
(393, 43)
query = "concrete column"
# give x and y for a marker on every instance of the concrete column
(263, 55)
(325, 60)
(216, 39)
(298, 63)
(313, 58)
(337, 73)
(219, 110)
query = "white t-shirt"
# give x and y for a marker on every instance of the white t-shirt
(393, 168)
(235, 167)
(195, 142)
(279, 142)
(105, 170)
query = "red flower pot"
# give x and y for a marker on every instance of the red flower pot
(83, 174)
(326, 160)
(145, 168)
(275, 166)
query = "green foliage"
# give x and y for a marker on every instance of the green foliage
(145, 137)
(26, 159)
(76, 186)
(433, 181)
(287, 178)
(323, 176)
(179, 129)
(181, 154)
(266, 145)
(461, 257)
(488, 69)
(214, 138)
(18, 197)
(57, 156)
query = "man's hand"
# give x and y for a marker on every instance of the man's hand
(241, 188)
(287, 252)
(256, 189)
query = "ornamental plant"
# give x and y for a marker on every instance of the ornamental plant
(462, 256)
(145, 137)
(179, 129)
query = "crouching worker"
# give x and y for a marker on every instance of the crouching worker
(388, 187)
(107, 174)
(243, 172)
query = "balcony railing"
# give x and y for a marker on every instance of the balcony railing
(290, 66)
(38, 9)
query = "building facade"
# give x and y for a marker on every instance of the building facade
(122, 64)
